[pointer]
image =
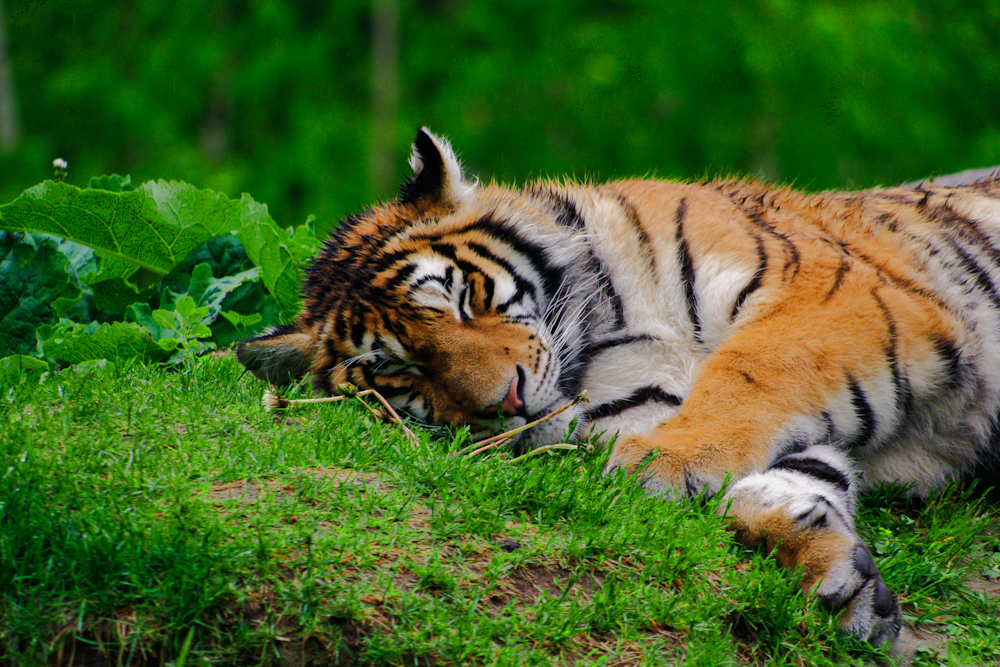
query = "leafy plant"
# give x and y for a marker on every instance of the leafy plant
(116, 271)
(188, 324)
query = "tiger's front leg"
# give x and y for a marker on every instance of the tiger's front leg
(801, 509)
(763, 414)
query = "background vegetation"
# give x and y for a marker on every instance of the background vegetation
(310, 105)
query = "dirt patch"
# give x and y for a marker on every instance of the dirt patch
(248, 491)
(989, 586)
(914, 638)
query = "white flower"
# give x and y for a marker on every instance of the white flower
(60, 163)
(274, 401)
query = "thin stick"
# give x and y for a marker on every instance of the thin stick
(498, 443)
(378, 416)
(358, 394)
(540, 450)
(324, 399)
(392, 413)
(511, 433)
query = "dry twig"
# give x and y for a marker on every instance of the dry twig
(275, 401)
(503, 438)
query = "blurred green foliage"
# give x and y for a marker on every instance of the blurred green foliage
(275, 98)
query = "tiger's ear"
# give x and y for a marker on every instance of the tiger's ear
(437, 173)
(280, 357)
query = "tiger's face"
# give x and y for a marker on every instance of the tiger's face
(457, 341)
(447, 302)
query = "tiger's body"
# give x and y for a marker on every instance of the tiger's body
(806, 346)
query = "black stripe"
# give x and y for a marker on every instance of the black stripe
(551, 275)
(489, 287)
(901, 383)
(814, 468)
(402, 274)
(951, 358)
(357, 333)
(794, 447)
(755, 281)
(445, 249)
(845, 266)
(638, 397)
(279, 330)
(566, 212)
(982, 278)
(593, 349)
(633, 217)
(820, 498)
(687, 269)
(427, 279)
(905, 284)
(755, 214)
(862, 410)
(968, 230)
(522, 283)
(386, 390)
(502, 232)
(607, 288)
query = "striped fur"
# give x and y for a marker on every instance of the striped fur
(808, 346)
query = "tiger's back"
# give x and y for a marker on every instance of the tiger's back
(804, 346)
(898, 288)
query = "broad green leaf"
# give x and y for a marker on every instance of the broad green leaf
(81, 258)
(231, 286)
(97, 366)
(201, 331)
(223, 254)
(302, 241)
(208, 291)
(126, 225)
(266, 245)
(186, 307)
(75, 343)
(165, 319)
(112, 183)
(15, 368)
(142, 314)
(251, 301)
(35, 288)
(241, 320)
(155, 226)
(168, 344)
(115, 295)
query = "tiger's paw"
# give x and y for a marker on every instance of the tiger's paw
(807, 522)
(660, 471)
(873, 611)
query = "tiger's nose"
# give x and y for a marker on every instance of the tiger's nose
(513, 403)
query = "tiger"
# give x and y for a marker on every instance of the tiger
(788, 350)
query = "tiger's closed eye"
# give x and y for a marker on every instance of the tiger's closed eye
(392, 366)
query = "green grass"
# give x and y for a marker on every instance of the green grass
(150, 516)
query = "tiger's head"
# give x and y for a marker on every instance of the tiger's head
(461, 304)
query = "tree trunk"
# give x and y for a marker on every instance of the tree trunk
(10, 122)
(385, 95)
